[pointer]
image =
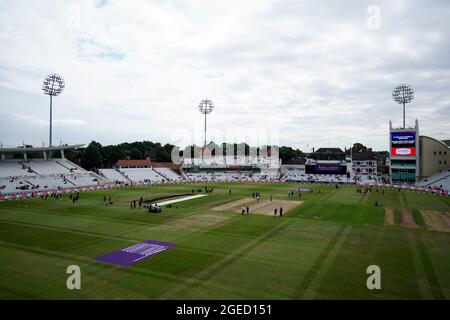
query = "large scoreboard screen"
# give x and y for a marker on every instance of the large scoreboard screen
(403, 144)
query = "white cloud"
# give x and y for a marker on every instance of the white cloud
(312, 71)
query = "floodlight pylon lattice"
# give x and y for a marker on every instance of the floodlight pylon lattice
(403, 94)
(205, 107)
(52, 86)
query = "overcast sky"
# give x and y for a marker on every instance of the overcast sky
(299, 73)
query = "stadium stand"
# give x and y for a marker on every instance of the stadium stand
(440, 181)
(142, 174)
(199, 176)
(143, 171)
(17, 176)
(14, 168)
(114, 175)
(168, 174)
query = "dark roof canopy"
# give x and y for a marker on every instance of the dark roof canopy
(365, 155)
(329, 150)
(39, 149)
(296, 161)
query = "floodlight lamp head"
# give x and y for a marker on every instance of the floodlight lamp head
(206, 106)
(403, 93)
(53, 85)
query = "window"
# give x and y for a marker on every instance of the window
(434, 152)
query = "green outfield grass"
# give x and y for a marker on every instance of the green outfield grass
(319, 250)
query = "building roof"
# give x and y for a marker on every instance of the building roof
(169, 165)
(298, 161)
(443, 142)
(38, 149)
(329, 150)
(133, 163)
(146, 163)
(365, 155)
(447, 142)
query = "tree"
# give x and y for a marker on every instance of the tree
(358, 147)
(135, 154)
(92, 157)
(112, 154)
(288, 153)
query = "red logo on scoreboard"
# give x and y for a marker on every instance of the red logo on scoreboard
(404, 152)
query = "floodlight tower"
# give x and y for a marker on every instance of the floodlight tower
(403, 94)
(205, 107)
(53, 85)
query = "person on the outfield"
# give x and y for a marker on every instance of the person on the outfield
(247, 209)
(243, 210)
(281, 211)
(275, 211)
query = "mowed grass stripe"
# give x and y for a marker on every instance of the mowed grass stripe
(314, 279)
(429, 270)
(271, 269)
(102, 269)
(203, 275)
(164, 224)
(420, 275)
(69, 230)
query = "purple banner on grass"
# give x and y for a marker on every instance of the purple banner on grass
(127, 256)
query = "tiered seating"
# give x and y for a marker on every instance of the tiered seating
(8, 185)
(270, 173)
(225, 176)
(168, 173)
(141, 174)
(113, 175)
(220, 161)
(40, 175)
(440, 180)
(83, 180)
(9, 168)
(200, 176)
(48, 182)
(364, 178)
(47, 167)
(71, 166)
(293, 176)
(316, 178)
